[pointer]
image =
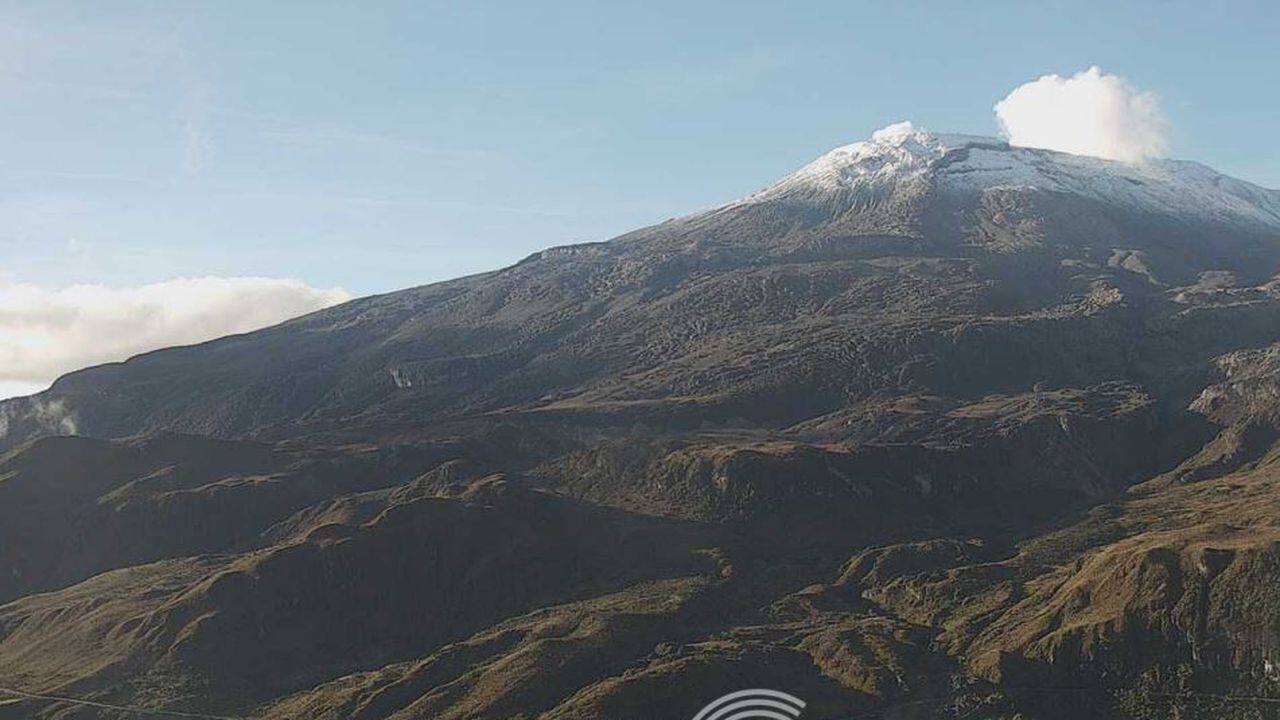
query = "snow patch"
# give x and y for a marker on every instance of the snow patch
(902, 153)
(401, 379)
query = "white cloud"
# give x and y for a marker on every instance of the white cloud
(16, 388)
(1090, 113)
(48, 332)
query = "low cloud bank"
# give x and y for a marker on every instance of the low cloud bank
(48, 332)
(1089, 113)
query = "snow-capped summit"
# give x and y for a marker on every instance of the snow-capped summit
(894, 153)
(901, 155)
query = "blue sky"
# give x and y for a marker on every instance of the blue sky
(384, 146)
(373, 146)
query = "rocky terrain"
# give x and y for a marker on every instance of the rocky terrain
(932, 428)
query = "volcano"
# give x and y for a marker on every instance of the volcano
(932, 425)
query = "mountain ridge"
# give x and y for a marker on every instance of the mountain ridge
(808, 216)
(901, 153)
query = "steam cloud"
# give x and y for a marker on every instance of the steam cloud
(50, 332)
(1090, 113)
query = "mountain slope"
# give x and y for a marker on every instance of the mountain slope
(860, 273)
(932, 425)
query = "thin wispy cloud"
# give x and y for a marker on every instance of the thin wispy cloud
(197, 149)
(734, 72)
(320, 137)
(46, 51)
